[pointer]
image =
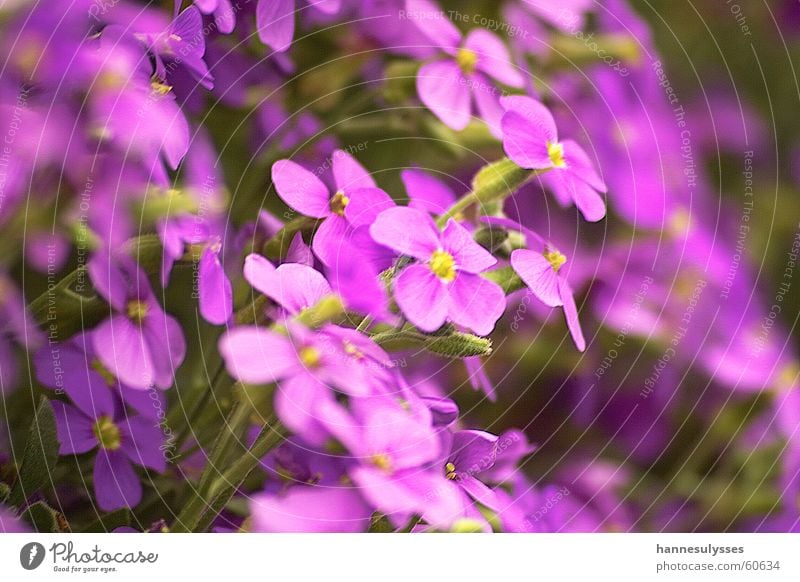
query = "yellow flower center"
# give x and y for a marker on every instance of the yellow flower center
(556, 153)
(555, 258)
(788, 376)
(467, 60)
(107, 433)
(137, 310)
(98, 367)
(158, 87)
(339, 202)
(443, 265)
(450, 471)
(310, 356)
(382, 461)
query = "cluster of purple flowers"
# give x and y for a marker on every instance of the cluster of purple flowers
(329, 295)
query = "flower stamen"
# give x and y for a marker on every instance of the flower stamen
(107, 433)
(467, 60)
(555, 258)
(443, 265)
(339, 202)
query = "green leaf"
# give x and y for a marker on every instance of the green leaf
(45, 519)
(39, 457)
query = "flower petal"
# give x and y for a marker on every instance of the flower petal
(348, 174)
(311, 510)
(116, 484)
(330, 240)
(445, 91)
(476, 303)
(426, 192)
(538, 274)
(296, 287)
(216, 295)
(366, 204)
(469, 255)
(141, 441)
(258, 272)
(524, 142)
(75, 429)
(121, 347)
(422, 297)
(257, 356)
(493, 57)
(275, 23)
(571, 313)
(433, 23)
(408, 231)
(296, 402)
(301, 189)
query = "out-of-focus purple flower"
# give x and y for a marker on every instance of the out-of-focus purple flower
(223, 12)
(72, 367)
(17, 328)
(293, 286)
(307, 366)
(426, 192)
(566, 15)
(530, 139)
(305, 509)
(275, 19)
(214, 288)
(394, 448)
(445, 284)
(448, 86)
(139, 343)
(356, 201)
(9, 523)
(121, 442)
(180, 45)
(133, 111)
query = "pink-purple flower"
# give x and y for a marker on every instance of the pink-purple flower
(448, 86)
(444, 284)
(530, 139)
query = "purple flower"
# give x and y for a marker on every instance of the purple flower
(11, 524)
(427, 192)
(139, 343)
(17, 328)
(530, 139)
(293, 286)
(180, 44)
(445, 284)
(307, 509)
(224, 14)
(541, 270)
(356, 201)
(73, 367)
(121, 442)
(214, 287)
(307, 365)
(448, 86)
(275, 20)
(566, 15)
(395, 447)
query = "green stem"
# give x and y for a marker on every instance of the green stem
(201, 510)
(492, 183)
